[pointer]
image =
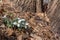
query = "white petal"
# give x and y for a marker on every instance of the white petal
(18, 25)
(23, 19)
(19, 21)
(15, 23)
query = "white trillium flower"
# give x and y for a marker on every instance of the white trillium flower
(18, 25)
(19, 21)
(15, 23)
(23, 19)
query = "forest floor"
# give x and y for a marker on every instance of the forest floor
(38, 21)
